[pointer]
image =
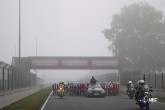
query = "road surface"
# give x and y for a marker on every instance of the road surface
(120, 102)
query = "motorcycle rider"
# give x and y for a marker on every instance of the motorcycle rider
(61, 90)
(61, 85)
(129, 84)
(139, 89)
(130, 87)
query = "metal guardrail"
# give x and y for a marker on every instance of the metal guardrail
(13, 78)
(156, 80)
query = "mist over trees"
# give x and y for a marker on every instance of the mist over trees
(137, 36)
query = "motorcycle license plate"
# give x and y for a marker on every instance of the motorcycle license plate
(96, 94)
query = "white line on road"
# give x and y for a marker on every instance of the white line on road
(46, 101)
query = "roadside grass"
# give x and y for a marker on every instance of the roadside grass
(33, 102)
(161, 100)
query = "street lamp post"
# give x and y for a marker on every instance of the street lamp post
(36, 52)
(20, 80)
(19, 32)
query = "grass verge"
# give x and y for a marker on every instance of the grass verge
(33, 102)
(161, 100)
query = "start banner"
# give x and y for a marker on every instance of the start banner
(74, 63)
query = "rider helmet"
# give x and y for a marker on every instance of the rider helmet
(141, 82)
(130, 82)
(62, 82)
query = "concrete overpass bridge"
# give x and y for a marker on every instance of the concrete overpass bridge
(28, 63)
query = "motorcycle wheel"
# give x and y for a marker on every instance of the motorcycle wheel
(141, 106)
(147, 106)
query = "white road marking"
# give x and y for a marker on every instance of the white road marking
(46, 101)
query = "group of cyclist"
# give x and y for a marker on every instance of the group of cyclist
(79, 88)
(111, 88)
(72, 88)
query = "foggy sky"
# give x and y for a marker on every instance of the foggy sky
(62, 27)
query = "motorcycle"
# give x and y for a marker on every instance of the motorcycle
(60, 92)
(145, 100)
(131, 93)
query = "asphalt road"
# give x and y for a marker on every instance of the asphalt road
(108, 103)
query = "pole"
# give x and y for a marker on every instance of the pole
(149, 78)
(144, 77)
(19, 32)
(3, 79)
(162, 80)
(20, 80)
(36, 45)
(155, 80)
(36, 52)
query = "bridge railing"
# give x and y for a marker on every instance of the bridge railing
(14, 78)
